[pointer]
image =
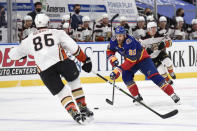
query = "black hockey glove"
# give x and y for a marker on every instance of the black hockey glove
(87, 66)
(161, 46)
(149, 51)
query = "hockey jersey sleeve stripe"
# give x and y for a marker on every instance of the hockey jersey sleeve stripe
(80, 55)
(77, 52)
(63, 54)
(60, 56)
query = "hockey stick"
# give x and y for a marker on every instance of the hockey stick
(109, 101)
(113, 18)
(167, 115)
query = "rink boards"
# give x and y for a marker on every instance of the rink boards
(24, 73)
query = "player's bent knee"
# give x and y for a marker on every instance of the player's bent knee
(158, 80)
(167, 62)
(129, 83)
(63, 93)
(75, 84)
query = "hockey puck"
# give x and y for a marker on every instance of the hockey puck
(96, 108)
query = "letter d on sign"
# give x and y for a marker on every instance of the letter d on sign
(191, 55)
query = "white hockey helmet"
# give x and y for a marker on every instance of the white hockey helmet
(151, 24)
(150, 18)
(65, 17)
(179, 19)
(123, 18)
(194, 21)
(140, 18)
(105, 16)
(27, 17)
(65, 25)
(86, 18)
(41, 20)
(162, 19)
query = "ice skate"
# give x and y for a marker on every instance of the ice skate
(86, 112)
(79, 118)
(139, 98)
(175, 98)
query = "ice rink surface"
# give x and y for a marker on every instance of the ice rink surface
(35, 109)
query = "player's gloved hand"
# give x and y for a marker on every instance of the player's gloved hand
(87, 66)
(161, 46)
(149, 51)
(115, 73)
(113, 60)
(168, 43)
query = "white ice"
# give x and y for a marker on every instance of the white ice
(35, 109)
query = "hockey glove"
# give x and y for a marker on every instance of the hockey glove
(115, 73)
(168, 43)
(149, 51)
(161, 46)
(87, 66)
(113, 60)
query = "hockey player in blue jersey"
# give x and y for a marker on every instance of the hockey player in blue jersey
(136, 58)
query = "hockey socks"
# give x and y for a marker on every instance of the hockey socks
(167, 88)
(67, 101)
(133, 89)
(77, 92)
(79, 96)
(168, 80)
(171, 72)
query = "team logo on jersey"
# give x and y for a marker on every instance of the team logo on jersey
(128, 41)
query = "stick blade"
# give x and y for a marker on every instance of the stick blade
(109, 102)
(170, 114)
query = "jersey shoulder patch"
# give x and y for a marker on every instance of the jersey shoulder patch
(128, 41)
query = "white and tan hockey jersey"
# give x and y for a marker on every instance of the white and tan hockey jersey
(153, 42)
(45, 45)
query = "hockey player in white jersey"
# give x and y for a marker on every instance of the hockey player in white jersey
(45, 45)
(156, 45)
(26, 28)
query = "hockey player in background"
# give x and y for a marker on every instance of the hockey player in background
(156, 45)
(65, 19)
(136, 58)
(26, 28)
(124, 23)
(140, 30)
(193, 31)
(103, 29)
(84, 33)
(177, 31)
(66, 27)
(44, 45)
(162, 26)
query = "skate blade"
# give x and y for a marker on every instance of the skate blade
(178, 103)
(89, 120)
